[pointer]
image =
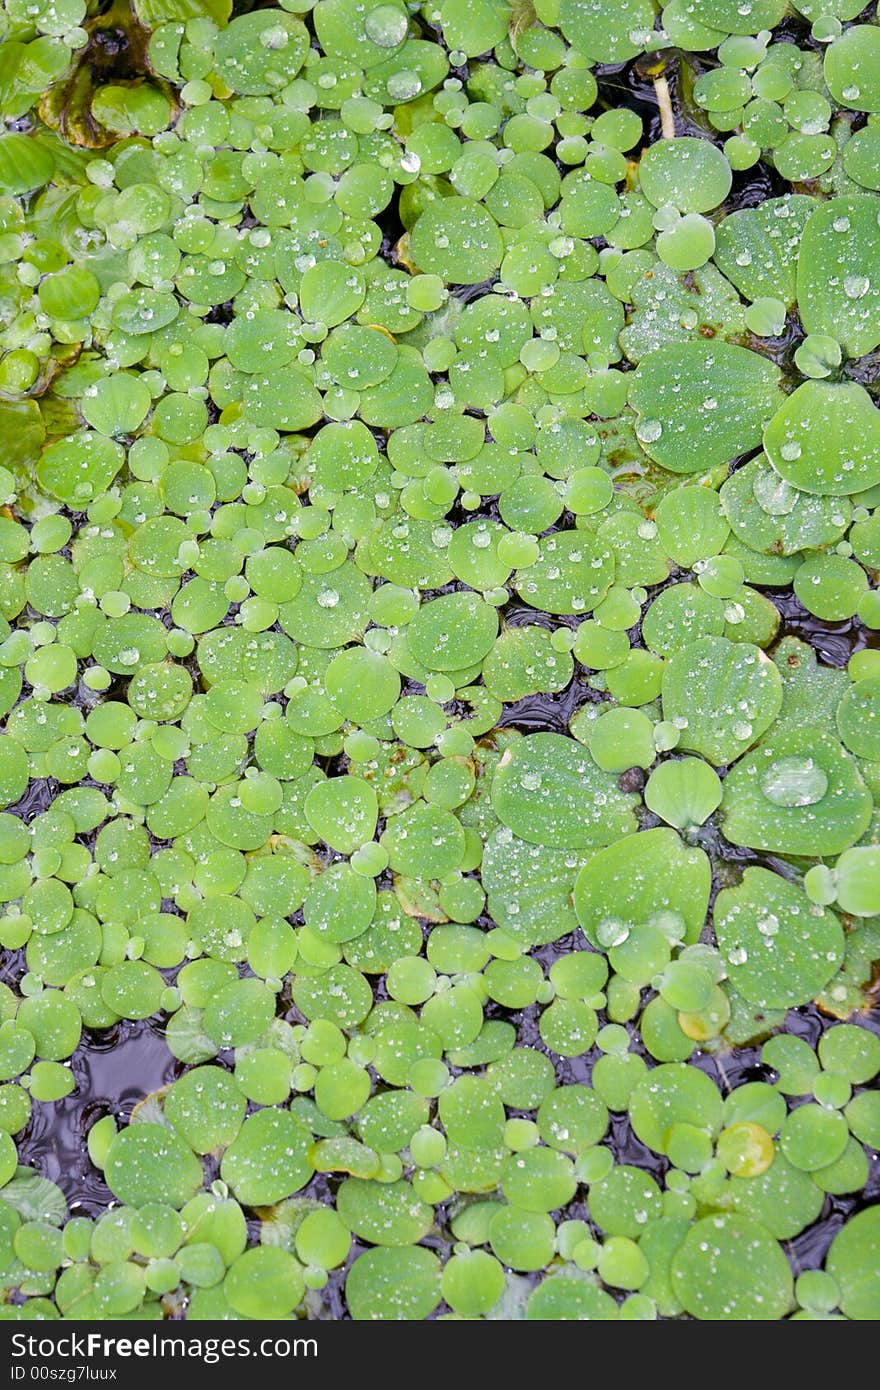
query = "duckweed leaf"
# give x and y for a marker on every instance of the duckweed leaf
(852, 68)
(632, 882)
(702, 405)
(24, 164)
(606, 32)
(150, 1163)
(539, 790)
(780, 948)
(722, 695)
(268, 1160)
(241, 51)
(733, 18)
(844, 457)
(458, 240)
(669, 1096)
(206, 1108)
(78, 469)
(799, 792)
(529, 887)
(362, 614)
(571, 574)
(757, 248)
(387, 1214)
(393, 1284)
(684, 793)
(689, 173)
(729, 1267)
(768, 513)
(852, 1263)
(453, 632)
(343, 811)
(264, 1283)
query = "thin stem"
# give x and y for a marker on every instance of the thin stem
(664, 103)
(723, 1074)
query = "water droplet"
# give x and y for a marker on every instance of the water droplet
(612, 932)
(274, 38)
(404, 85)
(794, 781)
(386, 26)
(648, 431)
(856, 286)
(772, 493)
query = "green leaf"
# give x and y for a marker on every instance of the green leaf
(702, 405)
(548, 790)
(722, 695)
(731, 1268)
(645, 878)
(799, 792)
(780, 948)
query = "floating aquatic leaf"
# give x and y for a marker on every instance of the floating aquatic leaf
(539, 789)
(457, 239)
(852, 68)
(691, 174)
(150, 1163)
(768, 513)
(729, 1267)
(268, 1160)
(722, 695)
(852, 1263)
(529, 887)
(757, 248)
(632, 882)
(837, 254)
(684, 792)
(844, 456)
(702, 405)
(780, 948)
(393, 1284)
(799, 792)
(672, 1095)
(370, 637)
